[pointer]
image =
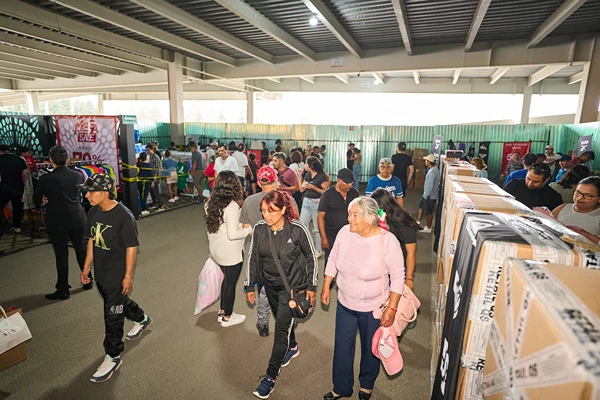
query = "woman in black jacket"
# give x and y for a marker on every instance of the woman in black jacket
(297, 256)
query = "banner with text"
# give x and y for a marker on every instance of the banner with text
(584, 144)
(510, 148)
(89, 138)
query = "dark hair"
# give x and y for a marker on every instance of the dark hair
(5, 148)
(357, 150)
(541, 169)
(323, 147)
(167, 153)
(529, 159)
(401, 146)
(141, 158)
(227, 189)
(252, 156)
(296, 157)
(241, 147)
(264, 144)
(150, 146)
(573, 176)
(591, 180)
(315, 164)
(540, 155)
(351, 144)
(193, 144)
(280, 199)
(280, 155)
(232, 146)
(59, 155)
(277, 141)
(589, 154)
(278, 149)
(172, 144)
(223, 146)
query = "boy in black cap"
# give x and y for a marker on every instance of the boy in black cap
(112, 245)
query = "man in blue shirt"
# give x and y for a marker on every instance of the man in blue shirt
(385, 180)
(527, 161)
(430, 192)
(564, 165)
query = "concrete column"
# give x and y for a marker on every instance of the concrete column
(33, 106)
(527, 92)
(250, 98)
(589, 89)
(175, 81)
(100, 104)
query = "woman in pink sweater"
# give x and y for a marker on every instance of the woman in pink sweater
(356, 261)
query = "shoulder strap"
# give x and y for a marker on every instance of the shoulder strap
(278, 263)
(382, 262)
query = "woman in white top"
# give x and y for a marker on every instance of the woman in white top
(583, 215)
(226, 239)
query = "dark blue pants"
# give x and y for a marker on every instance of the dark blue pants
(347, 322)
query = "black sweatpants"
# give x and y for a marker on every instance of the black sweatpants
(117, 307)
(232, 273)
(156, 200)
(60, 243)
(285, 337)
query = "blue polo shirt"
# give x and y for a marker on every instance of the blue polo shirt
(392, 185)
(519, 174)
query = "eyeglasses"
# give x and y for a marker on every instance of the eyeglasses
(585, 196)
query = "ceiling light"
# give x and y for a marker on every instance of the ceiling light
(313, 21)
(376, 82)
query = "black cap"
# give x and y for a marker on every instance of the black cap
(402, 146)
(99, 183)
(565, 157)
(346, 175)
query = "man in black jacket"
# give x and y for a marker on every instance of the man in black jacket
(12, 168)
(7, 194)
(65, 218)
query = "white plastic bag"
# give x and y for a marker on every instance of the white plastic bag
(209, 285)
(13, 331)
(206, 193)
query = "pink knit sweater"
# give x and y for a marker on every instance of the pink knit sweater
(357, 263)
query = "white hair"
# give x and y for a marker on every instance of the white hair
(367, 207)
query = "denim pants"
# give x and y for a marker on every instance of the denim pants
(356, 170)
(310, 211)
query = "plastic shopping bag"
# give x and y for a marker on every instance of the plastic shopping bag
(13, 331)
(209, 285)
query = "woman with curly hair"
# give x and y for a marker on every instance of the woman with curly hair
(226, 239)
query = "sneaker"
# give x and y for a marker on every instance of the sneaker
(233, 320)
(15, 230)
(171, 200)
(426, 230)
(419, 222)
(220, 316)
(291, 353)
(265, 388)
(145, 213)
(263, 331)
(176, 198)
(138, 328)
(106, 369)
(162, 208)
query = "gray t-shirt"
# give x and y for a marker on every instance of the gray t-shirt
(198, 158)
(251, 212)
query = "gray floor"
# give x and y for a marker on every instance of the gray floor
(182, 356)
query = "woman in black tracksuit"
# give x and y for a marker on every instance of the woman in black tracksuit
(297, 255)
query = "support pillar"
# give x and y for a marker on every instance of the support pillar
(589, 89)
(175, 81)
(527, 92)
(250, 98)
(100, 104)
(33, 106)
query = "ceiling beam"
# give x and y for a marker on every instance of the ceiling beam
(33, 70)
(379, 78)
(28, 73)
(52, 58)
(15, 77)
(343, 78)
(575, 78)
(545, 73)
(562, 13)
(309, 79)
(400, 11)
(198, 25)
(498, 74)
(456, 76)
(276, 80)
(324, 14)
(131, 24)
(45, 66)
(249, 14)
(482, 8)
(417, 77)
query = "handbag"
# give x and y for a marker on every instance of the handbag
(297, 301)
(13, 331)
(407, 306)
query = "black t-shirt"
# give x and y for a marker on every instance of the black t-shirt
(318, 180)
(11, 171)
(544, 197)
(269, 268)
(409, 236)
(113, 232)
(349, 163)
(401, 163)
(336, 211)
(264, 156)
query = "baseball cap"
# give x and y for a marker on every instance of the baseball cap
(266, 174)
(98, 183)
(565, 157)
(346, 175)
(214, 144)
(385, 162)
(550, 147)
(430, 158)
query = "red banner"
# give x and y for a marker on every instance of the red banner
(510, 148)
(257, 153)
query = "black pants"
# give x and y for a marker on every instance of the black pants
(144, 188)
(17, 212)
(404, 183)
(232, 273)
(156, 200)
(285, 337)
(116, 308)
(60, 241)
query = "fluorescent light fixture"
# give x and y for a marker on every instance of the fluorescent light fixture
(313, 21)
(375, 82)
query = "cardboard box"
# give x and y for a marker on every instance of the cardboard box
(469, 385)
(465, 170)
(418, 154)
(17, 353)
(419, 164)
(544, 341)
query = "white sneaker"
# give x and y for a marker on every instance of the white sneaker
(15, 230)
(176, 198)
(145, 213)
(171, 200)
(233, 320)
(419, 222)
(106, 369)
(426, 230)
(138, 328)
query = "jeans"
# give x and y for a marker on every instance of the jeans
(284, 329)
(310, 210)
(347, 322)
(144, 188)
(60, 241)
(17, 206)
(356, 170)
(263, 309)
(117, 307)
(232, 273)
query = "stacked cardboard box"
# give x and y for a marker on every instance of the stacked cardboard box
(419, 164)
(545, 341)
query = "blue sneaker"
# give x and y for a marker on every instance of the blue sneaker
(265, 388)
(291, 353)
